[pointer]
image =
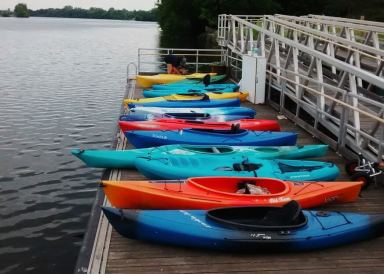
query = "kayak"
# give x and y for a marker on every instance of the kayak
(211, 192)
(151, 93)
(196, 86)
(149, 138)
(212, 80)
(146, 81)
(193, 112)
(252, 229)
(188, 97)
(173, 167)
(201, 103)
(185, 116)
(126, 158)
(174, 124)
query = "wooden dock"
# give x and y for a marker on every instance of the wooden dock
(105, 251)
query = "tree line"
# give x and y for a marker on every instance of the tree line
(97, 13)
(21, 10)
(193, 16)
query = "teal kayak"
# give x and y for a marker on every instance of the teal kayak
(126, 158)
(151, 93)
(173, 167)
(192, 81)
(198, 86)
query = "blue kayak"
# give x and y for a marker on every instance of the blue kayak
(239, 111)
(199, 86)
(203, 103)
(151, 93)
(144, 138)
(252, 229)
(173, 167)
(185, 116)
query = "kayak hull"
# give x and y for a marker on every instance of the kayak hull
(153, 93)
(126, 158)
(191, 228)
(146, 81)
(189, 97)
(212, 192)
(196, 86)
(175, 124)
(185, 116)
(194, 112)
(190, 103)
(174, 167)
(145, 138)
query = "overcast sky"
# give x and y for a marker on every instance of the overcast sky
(105, 4)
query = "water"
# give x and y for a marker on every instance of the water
(61, 86)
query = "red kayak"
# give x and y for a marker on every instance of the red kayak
(175, 124)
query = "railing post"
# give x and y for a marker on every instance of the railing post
(197, 61)
(241, 38)
(380, 151)
(355, 103)
(234, 40)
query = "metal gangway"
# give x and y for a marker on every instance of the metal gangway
(323, 73)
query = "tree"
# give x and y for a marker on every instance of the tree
(21, 10)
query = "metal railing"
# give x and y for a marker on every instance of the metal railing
(347, 20)
(151, 60)
(355, 30)
(327, 95)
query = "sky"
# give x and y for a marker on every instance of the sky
(105, 4)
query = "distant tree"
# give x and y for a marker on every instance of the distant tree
(21, 10)
(5, 13)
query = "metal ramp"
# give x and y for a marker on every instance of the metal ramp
(323, 73)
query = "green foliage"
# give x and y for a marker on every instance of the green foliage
(97, 13)
(177, 16)
(210, 9)
(5, 13)
(21, 10)
(189, 18)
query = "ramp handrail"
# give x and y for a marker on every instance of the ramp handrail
(335, 102)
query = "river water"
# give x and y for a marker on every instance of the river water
(61, 86)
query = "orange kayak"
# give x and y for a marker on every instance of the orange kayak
(175, 124)
(211, 192)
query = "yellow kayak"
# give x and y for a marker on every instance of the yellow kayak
(146, 81)
(182, 97)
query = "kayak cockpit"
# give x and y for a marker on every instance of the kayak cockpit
(289, 216)
(246, 187)
(209, 149)
(187, 115)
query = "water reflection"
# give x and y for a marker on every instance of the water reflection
(61, 85)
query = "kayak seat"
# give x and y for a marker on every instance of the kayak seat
(289, 216)
(206, 80)
(249, 187)
(243, 185)
(235, 128)
(289, 168)
(187, 115)
(205, 97)
(193, 93)
(219, 131)
(246, 166)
